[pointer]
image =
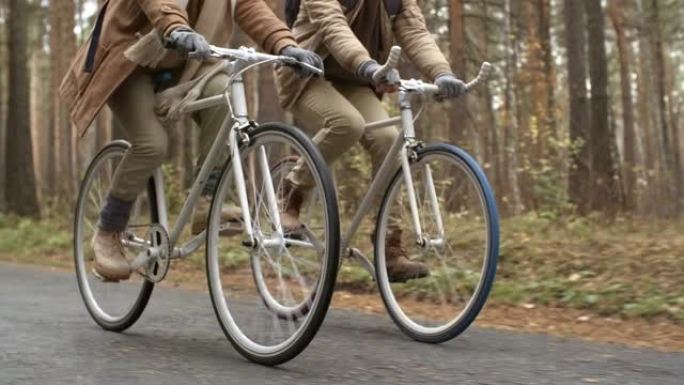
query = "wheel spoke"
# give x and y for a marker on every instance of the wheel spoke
(437, 307)
(114, 306)
(283, 279)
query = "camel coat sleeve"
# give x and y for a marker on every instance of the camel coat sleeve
(413, 36)
(329, 19)
(259, 22)
(165, 15)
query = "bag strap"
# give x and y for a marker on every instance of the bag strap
(95, 39)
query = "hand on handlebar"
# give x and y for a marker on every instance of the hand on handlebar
(387, 83)
(304, 56)
(449, 86)
(189, 42)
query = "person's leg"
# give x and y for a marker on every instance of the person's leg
(133, 104)
(378, 143)
(336, 126)
(335, 123)
(209, 122)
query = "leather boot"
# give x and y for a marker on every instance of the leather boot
(291, 199)
(110, 258)
(399, 267)
(231, 218)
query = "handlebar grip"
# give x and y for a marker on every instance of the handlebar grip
(482, 76)
(392, 63)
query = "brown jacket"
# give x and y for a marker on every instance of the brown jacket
(323, 26)
(85, 92)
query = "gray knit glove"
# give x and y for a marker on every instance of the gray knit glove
(189, 42)
(450, 86)
(304, 56)
(368, 68)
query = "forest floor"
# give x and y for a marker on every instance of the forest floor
(621, 281)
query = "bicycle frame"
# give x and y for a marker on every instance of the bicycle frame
(403, 149)
(230, 135)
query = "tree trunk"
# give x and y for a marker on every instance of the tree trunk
(630, 162)
(666, 147)
(678, 169)
(3, 106)
(651, 196)
(510, 113)
(459, 119)
(575, 40)
(20, 181)
(493, 153)
(63, 49)
(604, 192)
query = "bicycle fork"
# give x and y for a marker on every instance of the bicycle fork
(268, 191)
(422, 239)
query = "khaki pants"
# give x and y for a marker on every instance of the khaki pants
(133, 104)
(337, 112)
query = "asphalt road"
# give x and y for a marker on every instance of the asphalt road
(46, 337)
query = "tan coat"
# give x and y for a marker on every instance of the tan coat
(323, 26)
(85, 93)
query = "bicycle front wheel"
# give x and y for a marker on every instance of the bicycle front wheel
(115, 306)
(271, 295)
(459, 244)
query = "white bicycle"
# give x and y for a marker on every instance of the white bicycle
(270, 291)
(436, 199)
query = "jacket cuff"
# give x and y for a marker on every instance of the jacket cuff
(281, 43)
(445, 73)
(440, 70)
(169, 18)
(360, 61)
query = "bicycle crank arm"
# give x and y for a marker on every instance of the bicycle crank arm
(143, 258)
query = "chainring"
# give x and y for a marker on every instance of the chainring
(158, 265)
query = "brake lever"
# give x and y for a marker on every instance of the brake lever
(290, 61)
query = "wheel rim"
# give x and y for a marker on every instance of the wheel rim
(109, 303)
(438, 303)
(264, 303)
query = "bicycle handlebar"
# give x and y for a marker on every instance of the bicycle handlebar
(250, 55)
(391, 64)
(424, 87)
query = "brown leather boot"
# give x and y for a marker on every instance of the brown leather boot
(231, 218)
(399, 267)
(110, 259)
(291, 200)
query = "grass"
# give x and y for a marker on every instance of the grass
(633, 268)
(630, 268)
(25, 237)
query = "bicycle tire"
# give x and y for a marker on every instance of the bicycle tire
(118, 324)
(316, 313)
(479, 298)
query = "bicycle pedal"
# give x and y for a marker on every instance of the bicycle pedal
(296, 235)
(103, 279)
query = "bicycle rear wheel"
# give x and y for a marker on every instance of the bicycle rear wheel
(459, 244)
(115, 306)
(271, 297)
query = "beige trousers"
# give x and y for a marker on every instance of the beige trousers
(337, 113)
(133, 104)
